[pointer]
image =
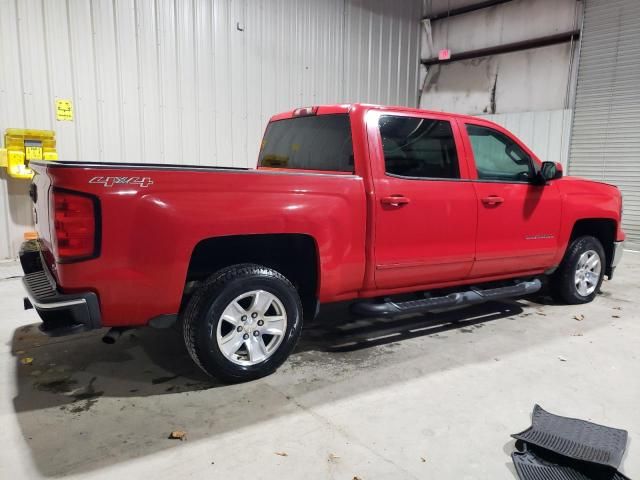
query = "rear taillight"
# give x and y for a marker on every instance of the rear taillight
(75, 220)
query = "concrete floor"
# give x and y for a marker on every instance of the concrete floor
(427, 397)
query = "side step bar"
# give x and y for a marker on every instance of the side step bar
(469, 297)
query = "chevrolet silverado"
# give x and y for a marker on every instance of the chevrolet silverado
(398, 210)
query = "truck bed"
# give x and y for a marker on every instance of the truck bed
(133, 166)
(153, 216)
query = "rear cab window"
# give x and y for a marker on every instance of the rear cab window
(416, 147)
(317, 142)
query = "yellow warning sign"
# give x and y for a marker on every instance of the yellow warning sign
(64, 110)
(33, 153)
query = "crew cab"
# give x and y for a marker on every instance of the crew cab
(397, 210)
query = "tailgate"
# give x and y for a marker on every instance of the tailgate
(39, 193)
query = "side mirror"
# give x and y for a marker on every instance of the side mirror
(550, 171)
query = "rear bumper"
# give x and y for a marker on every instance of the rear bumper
(61, 314)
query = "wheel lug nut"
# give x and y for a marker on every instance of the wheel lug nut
(256, 333)
(244, 318)
(254, 315)
(239, 329)
(260, 322)
(245, 336)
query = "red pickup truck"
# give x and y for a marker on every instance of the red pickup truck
(399, 210)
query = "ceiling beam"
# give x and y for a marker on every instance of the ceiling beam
(469, 8)
(507, 48)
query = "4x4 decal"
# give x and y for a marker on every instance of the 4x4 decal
(111, 181)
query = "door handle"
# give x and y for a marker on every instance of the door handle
(492, 200)
(394, 200)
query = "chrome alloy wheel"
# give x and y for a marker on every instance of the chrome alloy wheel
(252, 327)
(588, 272)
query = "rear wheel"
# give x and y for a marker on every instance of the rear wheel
(243, 322)
(581, 272)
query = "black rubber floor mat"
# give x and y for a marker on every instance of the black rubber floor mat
(573, 438)
(538, 464)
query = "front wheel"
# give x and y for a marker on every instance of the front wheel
(243, 322)
(581, 272)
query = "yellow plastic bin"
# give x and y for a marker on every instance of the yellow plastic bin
(24, 145)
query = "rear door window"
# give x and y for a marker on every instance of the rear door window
(418, 147)
(321, 142)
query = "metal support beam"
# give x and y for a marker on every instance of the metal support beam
(467, 9)
(507, 48)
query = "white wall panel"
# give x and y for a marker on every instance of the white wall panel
(145, 75)
(190, 81)
(530, 80)
(545, 132)
(60, 78)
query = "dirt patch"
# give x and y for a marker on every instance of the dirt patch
(84, 400)
(56, 382)
(61, 383)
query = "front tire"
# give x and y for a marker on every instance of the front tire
(243, 322)
(581, 272)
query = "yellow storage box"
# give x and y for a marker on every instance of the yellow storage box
(23, 145)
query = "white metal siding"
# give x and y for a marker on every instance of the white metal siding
(544, 132)
(191, 81)
(506, 83)
(605, 141)
(195, 81)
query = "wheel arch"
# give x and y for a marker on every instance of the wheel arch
(604, 229)
(293, 255)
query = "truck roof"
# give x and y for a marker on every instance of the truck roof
(329, 109)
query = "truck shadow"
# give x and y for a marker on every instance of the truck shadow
(76, 386)
(330, 332)
(154, 362)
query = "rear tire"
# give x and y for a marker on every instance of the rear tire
(242, 323)
(581, 272)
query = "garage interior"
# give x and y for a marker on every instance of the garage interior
(428, 396)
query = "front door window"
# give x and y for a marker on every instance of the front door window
(498, 157)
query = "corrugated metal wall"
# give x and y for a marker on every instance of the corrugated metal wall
(545, 132)
(191, 81)
(605, 142)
